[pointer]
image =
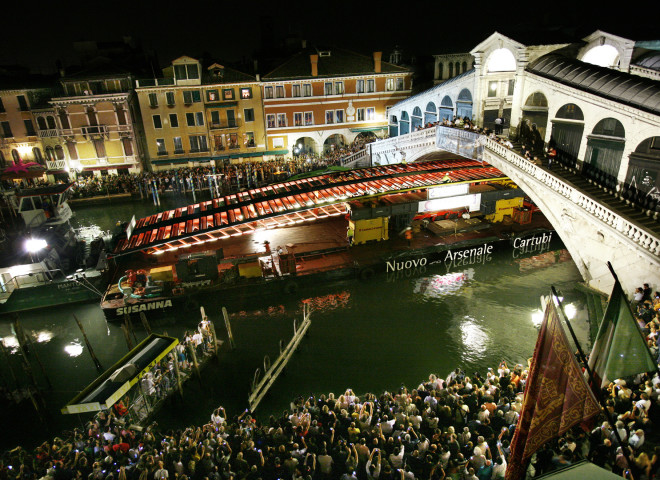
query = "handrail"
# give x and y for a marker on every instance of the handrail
(14, 280)
(635, 233)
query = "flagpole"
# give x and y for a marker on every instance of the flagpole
(598, 392)
(616, 279)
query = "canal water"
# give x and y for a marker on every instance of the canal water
(369, 336)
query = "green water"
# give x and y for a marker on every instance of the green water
(368, 336)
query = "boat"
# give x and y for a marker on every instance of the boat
(43, 261)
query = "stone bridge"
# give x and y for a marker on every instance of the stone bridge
(592, 232)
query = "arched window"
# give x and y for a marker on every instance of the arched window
(603, 56)
(41, 123)
(64, 118)
(605, 149)
(50, 121)
(458, 68)
(537, 99)
(404, 123)
(451, 69)
(644, 167)
(570, 111)
(430, 115)
(50, 154)
(464, 104)
(416, 118)
(464, 65)
(501, 60)
(16, 156)
(3, 162)
(446, 108)
(59, 152)
(440, 71)
(38, 156)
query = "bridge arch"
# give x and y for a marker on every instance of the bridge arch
(446, 108)
(535, 112)
(501, 60)
(431, 113)
(334, 142)
(566, 136)
(602, 55)
(416, 120)
(464, 104)
(605, 146)
(404, 123)
(393, 126)
(304, 146)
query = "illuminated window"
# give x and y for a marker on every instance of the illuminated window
(295, 90)
(339, 88)
(281, 119)
(268, 92)
(307, 90)
(212, 96)
(328, 88)
(297, 119)
(360, 114)
(279, 91)
(359, 86)
(603, 56)
(178, 145)
(329, 116)
(371, 85)
(270, 120)
(390, 84)
(246, 92)
(249, 139)
(492, 89)
(339, 116)
(309, 118)
(227, 93)
(371, 113)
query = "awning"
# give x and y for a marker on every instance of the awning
(581, 471)
(108, 167)
(103, 392)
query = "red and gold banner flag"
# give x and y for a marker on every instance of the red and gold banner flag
(556, 395)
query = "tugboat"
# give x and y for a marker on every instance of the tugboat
(42, 260)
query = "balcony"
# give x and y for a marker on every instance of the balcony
(162, 153)
(51, 132)
(179, 152)
(56, 165)
(224, 125)
(95, 131)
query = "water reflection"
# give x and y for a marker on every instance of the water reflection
(43, 336)
(11, 343)
(436, 286)
(74, 349)
(474, 339)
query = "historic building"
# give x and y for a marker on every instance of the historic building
(322, 99)
(95, 121)
(19, 139)
(596, 100)
(196, 115)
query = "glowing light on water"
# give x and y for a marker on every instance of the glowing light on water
(537, 317)
(11, 342)
(474, 339)
(44, 336)
(74, 349)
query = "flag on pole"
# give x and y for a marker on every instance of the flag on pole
(620, 348)
(557, 396)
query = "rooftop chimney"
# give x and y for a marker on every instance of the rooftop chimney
(377, 57)
(314, 59)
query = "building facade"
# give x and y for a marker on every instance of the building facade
(201, 116)
(321, 100)
(19, 139)
(95, 117)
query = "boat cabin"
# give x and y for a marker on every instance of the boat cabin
(44, 205)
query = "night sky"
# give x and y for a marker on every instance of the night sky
(229, 31)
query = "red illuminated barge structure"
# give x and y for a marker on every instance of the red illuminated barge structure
(210, 246)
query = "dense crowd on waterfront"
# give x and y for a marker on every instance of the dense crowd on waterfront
(459, 427)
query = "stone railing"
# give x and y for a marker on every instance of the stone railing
(358, 159)
(635, 233)
(56, 165)
(404, 141)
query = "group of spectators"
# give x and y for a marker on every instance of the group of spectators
(455, 428)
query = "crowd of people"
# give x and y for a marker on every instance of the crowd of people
(459, 427)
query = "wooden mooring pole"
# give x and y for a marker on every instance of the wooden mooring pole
(99, 367)
(230, 336)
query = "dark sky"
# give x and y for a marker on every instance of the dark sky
(232, 30)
